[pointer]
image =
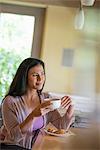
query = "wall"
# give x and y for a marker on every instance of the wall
(59, 33)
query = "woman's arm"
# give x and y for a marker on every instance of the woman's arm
(58, 120)
(40, 110)
(11, 120)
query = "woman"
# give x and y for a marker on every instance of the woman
(24, 110)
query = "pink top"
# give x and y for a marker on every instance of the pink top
(14, 112)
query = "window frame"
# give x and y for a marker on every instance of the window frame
(39, 14)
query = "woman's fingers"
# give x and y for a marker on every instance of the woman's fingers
(45, 104)
(65, 98)
(45, 110)
(66, 105)
(45, 107)
(66, 102)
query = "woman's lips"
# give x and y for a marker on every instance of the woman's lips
(38, 84)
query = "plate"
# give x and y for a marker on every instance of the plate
(69, 133)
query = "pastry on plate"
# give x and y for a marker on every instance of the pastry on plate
(60, 131)
(52, 130)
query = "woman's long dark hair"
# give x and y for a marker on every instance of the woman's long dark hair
(19, 83)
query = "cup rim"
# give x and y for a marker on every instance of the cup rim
(55, 99)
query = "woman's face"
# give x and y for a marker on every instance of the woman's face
(36, 77)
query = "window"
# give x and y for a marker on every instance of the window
(20, 37)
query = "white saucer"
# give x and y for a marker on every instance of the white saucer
(69, 133)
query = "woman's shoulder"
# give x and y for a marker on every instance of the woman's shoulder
(9, 99)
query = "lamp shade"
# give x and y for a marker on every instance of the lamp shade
(87, 2)
(79, 19)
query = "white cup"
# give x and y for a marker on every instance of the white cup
(87, 2)
(56, 103)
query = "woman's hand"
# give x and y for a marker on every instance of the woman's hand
(42, 109)
(3, 133)
(66, 103)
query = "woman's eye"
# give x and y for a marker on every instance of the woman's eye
(35, 75)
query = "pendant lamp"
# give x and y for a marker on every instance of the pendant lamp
(79, 18)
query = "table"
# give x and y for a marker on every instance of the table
(83, 139)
